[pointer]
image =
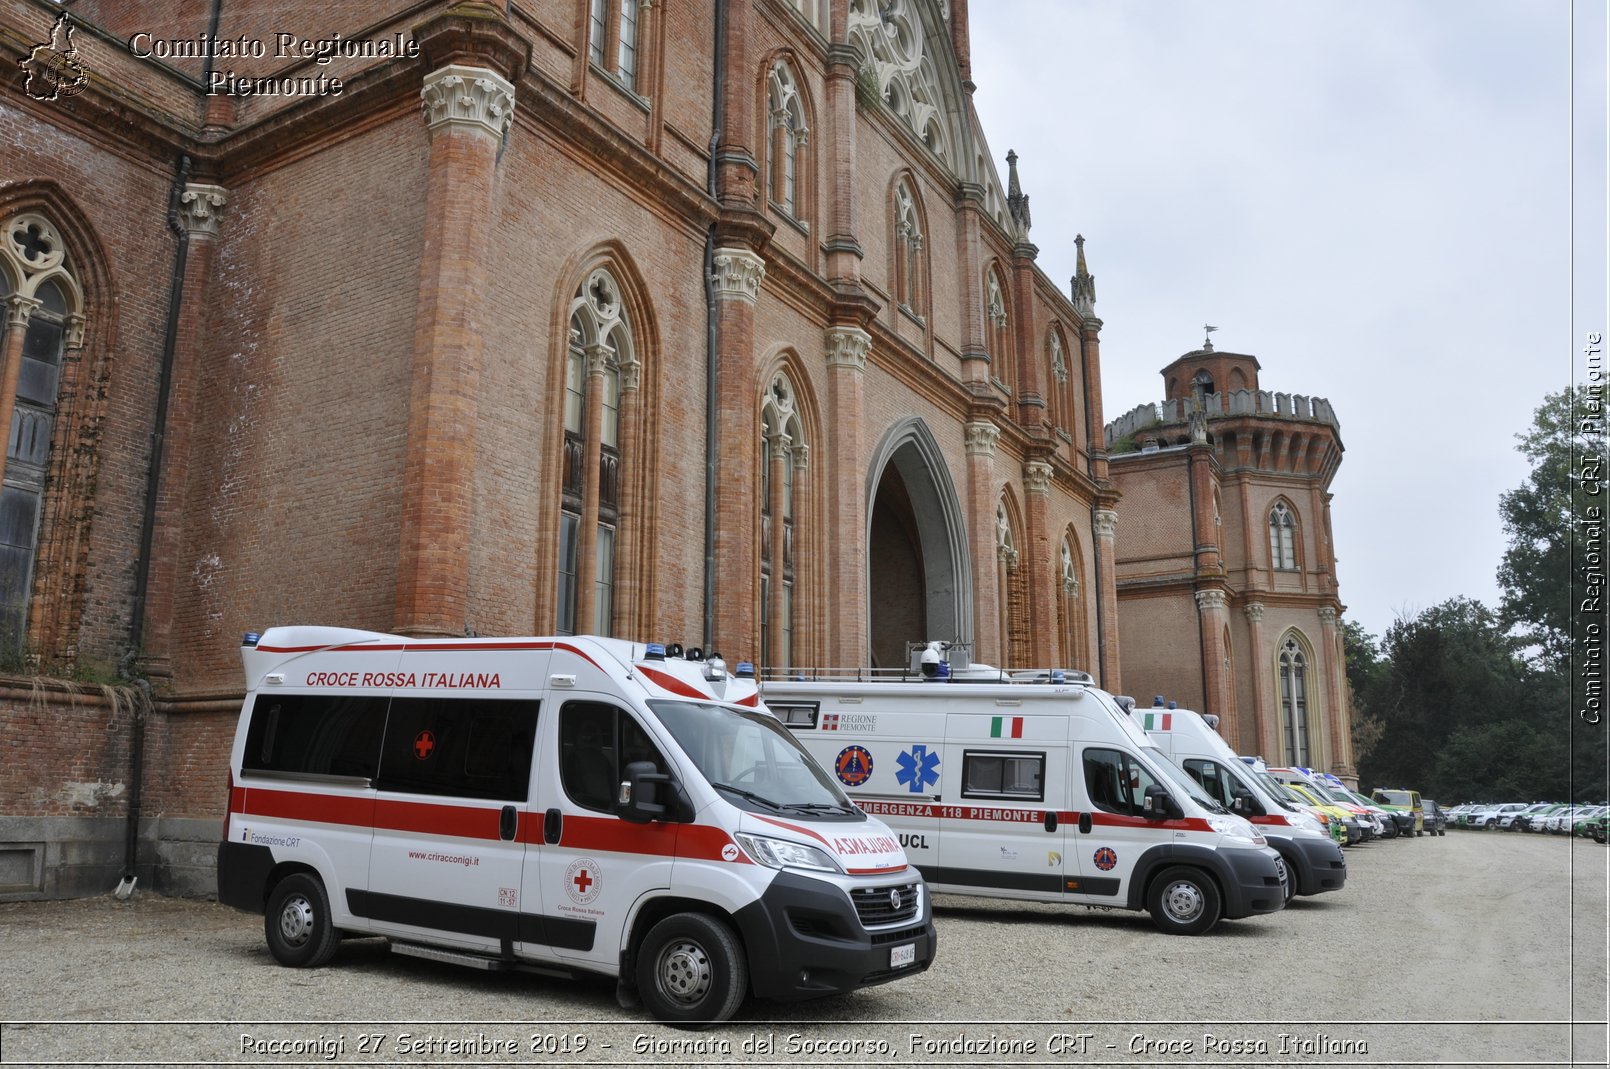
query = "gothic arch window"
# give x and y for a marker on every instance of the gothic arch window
(600, 355)
(998, 327)
(788, 134)
(1061, 407)
(1295, 686)
(612, 38)
(1282, 538)
(1070, 603)
(889, 35)
(1011, 584)
(784, 455)
(910, 267)
(43, 306)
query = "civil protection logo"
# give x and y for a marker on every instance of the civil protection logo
(1106, 858)
(53, 70)
(853, 766)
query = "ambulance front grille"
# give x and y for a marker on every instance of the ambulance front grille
(880, 906)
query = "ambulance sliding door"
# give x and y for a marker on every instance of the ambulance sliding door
(447, 858)
(1003, 779)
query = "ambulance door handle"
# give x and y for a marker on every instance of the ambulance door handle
(1084, 823)
(507, 821)
(1051, 820)
(551, 826)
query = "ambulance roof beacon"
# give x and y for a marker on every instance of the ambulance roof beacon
(557, 805)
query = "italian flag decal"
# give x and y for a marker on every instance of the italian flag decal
(1006, 727)
(1159, 721)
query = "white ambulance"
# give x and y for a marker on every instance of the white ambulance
(1042, 791)
(1313, 860)
(556, 803)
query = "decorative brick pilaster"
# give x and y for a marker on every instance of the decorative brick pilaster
(467, 108)
(1218, 685)
(1042, 573)
(201, 211)
(1105, 523)
(981, 439)
(847, 640)
(1265, 734)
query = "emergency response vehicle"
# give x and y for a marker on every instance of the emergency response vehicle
(1313, 860)
(1042, 791)
(556, 803)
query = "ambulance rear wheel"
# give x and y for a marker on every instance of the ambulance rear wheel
(691, 971)
(1184, 901)
(297, 923)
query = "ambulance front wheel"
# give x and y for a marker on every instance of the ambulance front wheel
(1184, 901)
(297, 923)
(691, 971)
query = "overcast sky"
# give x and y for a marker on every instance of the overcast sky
(1373, 198)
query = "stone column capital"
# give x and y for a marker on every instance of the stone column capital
(199, 208)
(631, 373)
(802, 456)
(1254, 611)
(75, 332)
(777, 445)
(1106, 523)
(599, 354)
(474, 99)
(847, 347)
(737, 274)
(1327, 616)
(981, 439)
(19, 309)
(1210, 599)
(1037, 477)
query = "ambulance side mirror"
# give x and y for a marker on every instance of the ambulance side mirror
(1245, 804)
(645, 795)
(1160, 805)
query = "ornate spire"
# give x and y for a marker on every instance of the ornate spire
(1017, 202)
(1084, 283)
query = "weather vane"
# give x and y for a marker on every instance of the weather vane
(1207, 341)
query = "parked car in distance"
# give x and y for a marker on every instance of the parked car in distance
(1436, 821)
(1525, 819)
(1402, 801)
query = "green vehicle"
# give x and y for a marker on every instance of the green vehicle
(1591, 824)
(1401, 801)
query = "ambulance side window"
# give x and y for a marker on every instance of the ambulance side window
(315, 734)
(1116, 782)
(459, 747)
(1214, 779)
(596, 743)
(1003, 775)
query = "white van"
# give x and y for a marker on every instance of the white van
(1042, 791)
(1313, 860)
(572, 803)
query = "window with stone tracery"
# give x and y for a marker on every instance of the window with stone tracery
(910, 280)
(783, 454)
(1059, 392)
(787, 140)
(890, 37)
(997, 326)
(1070, 606)
(1294, 703)
(43, 304)
(1282, 538)
(600, 348)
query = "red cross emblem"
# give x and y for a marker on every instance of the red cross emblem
(424, 743)
(582, 881)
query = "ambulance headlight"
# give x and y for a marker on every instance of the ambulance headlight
(782, 854)
(1306, 822)
(1237, 833)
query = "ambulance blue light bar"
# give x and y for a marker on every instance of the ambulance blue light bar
(251, 638)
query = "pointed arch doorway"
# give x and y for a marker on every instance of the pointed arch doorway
(919, 578)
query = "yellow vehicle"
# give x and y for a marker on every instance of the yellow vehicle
(1403, 802)
(1338, 815)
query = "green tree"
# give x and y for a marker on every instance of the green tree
(1364, 668)
(1538, 577)
(1451, 682)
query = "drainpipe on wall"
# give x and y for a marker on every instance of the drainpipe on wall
(711, 391)
(142, 564)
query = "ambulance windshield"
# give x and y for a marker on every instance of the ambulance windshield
(753, 760)
(1182, 782)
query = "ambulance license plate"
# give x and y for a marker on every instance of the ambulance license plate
(902, 956)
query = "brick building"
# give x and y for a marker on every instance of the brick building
(713, 323)
(1227, 586)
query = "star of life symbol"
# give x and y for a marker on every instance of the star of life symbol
(53, 69)
(918, 768)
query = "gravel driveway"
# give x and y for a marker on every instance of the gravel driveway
(1469, 948)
